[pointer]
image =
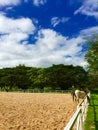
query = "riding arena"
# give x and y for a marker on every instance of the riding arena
(35, 111)
(41, 111)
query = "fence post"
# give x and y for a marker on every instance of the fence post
(79, 115)
(79, 122)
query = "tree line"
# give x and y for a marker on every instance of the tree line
(55, 77)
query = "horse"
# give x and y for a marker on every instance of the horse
(77, 94)
(80, 94)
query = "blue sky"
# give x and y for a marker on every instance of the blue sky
(40, 33)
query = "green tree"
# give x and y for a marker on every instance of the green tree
(21, 77)
(92, 59)
(63, 77)
(92, 55)
(79, 77)
(38, 77)
(56, 75)
(7, 79)
(32, 73)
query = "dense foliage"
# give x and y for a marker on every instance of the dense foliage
(92, 55)
(92, 58)
(54, 77)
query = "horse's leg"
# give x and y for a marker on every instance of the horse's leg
(77, 99)
(73, 97)
(88, 99)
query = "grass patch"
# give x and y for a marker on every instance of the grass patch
(91, 122)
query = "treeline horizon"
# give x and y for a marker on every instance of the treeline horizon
(55, 77)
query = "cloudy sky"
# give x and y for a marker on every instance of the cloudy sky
(40, 33)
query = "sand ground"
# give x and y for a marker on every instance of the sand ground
(35, 111)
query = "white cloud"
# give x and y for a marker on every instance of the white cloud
(9, 2)
(89, 31)
(56, 20)
(12, 33)
(39, 2)
(89, 8)
(49, 48)
(53, 48)
(8, 25)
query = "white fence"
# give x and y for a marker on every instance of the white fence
(77, 120)
(45, 91)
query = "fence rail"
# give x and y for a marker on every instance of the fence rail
(48, 91)
(37, 91)
(42, 91)
(77, 120)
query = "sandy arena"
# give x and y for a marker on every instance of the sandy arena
(35, 111)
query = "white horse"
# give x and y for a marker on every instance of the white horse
(79, 94)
